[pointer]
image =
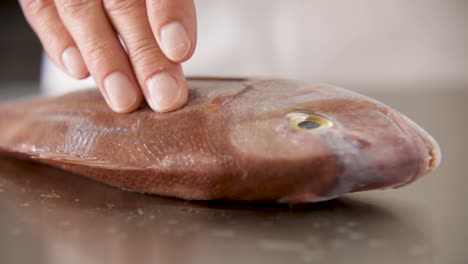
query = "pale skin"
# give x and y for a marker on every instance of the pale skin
(132, 48)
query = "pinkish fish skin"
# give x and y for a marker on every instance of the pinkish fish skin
(232, 141)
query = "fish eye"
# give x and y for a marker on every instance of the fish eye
(308, 124)
(303, 121)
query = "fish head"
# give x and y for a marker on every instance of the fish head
(347, 141)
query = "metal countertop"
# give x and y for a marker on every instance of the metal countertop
(46, 216)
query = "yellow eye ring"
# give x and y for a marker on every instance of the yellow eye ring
(301, 121)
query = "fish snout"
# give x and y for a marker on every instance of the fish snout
(431, 148)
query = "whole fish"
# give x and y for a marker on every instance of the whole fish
(236, 139)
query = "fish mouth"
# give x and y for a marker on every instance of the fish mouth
(435, 154)
(433, 151)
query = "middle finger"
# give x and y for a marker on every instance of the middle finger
(162, 80)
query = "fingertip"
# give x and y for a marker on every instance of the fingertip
(165, 93)
(175, 41)
(130, 108)
(120, 93)
(73, 63)
(174, 26)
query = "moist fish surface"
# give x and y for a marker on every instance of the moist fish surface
(236, 139)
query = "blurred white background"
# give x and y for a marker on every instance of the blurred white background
(359, 44)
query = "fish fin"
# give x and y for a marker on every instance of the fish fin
(226, 97)
(90, 162)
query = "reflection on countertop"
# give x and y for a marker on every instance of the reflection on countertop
(51, 216)
(64, 216)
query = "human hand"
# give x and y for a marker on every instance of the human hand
(82, 38)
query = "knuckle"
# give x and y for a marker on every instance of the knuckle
(99, 54)
(77, 7)
(147, 58)
(35, 7)
(159, 4)
(118, 6)
(53, 35)
(141, 49)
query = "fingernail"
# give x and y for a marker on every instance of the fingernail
(73, 62)
(175, 41)
(163, 91)
(121, 94)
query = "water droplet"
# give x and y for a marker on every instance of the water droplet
(338, 244)
(418, 251)
(312, 256)
(312, 240)
(173, 222)
(375, 243)
(342, 229)
(15, 231)
(111, 230)
(179, 233)
(50, 195)
(164, 230)
(282, 245)
(355, 236)
(222, 233)
(66, 224)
